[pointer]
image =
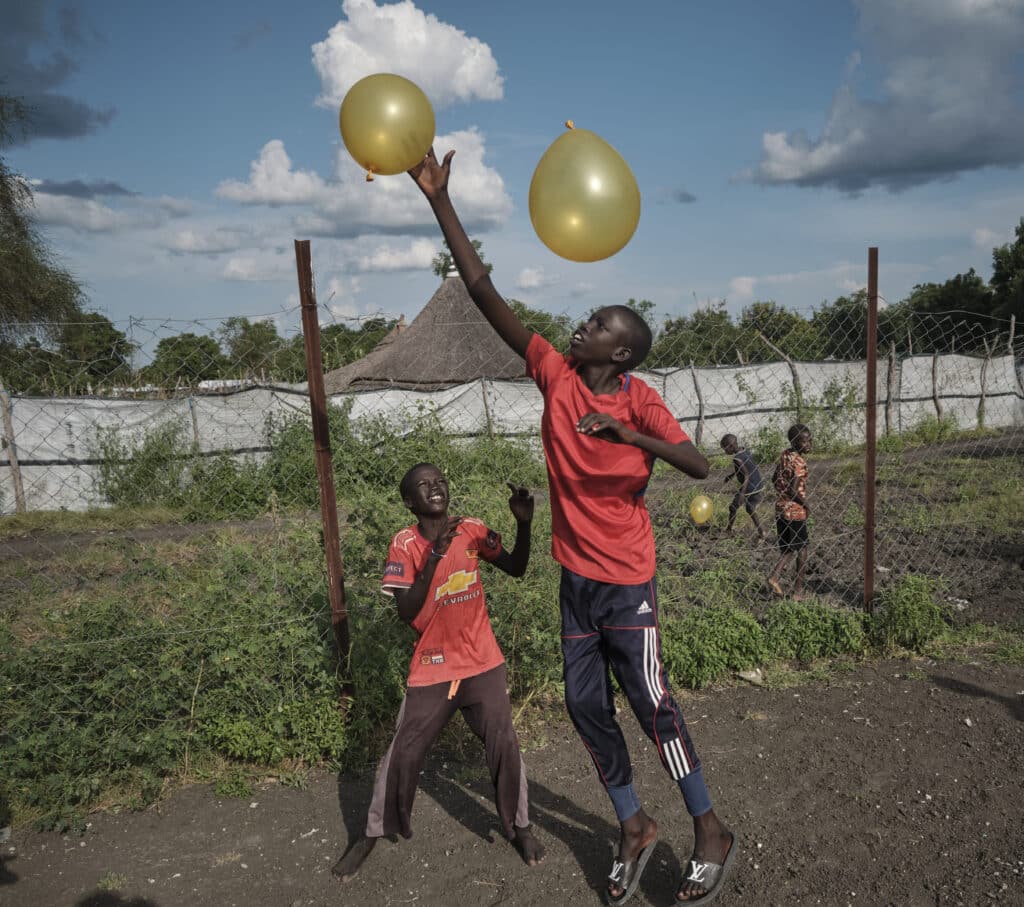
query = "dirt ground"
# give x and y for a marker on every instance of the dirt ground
(897, 783)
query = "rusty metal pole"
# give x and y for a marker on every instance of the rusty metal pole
(871, 431)
(322, 446)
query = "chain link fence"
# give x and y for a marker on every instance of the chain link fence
(159, 523)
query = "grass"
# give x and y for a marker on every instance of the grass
(96, 520)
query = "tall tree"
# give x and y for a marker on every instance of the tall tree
(1008, 276)
(443, 261)
(250, 347)
(188, 358)
(94, 352)
(36, 294)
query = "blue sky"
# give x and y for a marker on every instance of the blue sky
(180, 148)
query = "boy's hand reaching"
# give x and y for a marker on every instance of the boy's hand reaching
(447, 533)
(521, 503)
(430, 176)
(602, 425)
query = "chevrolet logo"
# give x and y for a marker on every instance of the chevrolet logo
(457, 582)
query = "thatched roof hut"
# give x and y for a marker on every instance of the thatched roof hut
(448, 343)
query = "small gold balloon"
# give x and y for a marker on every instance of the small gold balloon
(387, 124)
(584, 200)
(701, 509)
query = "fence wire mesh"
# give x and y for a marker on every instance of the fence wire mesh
(159, 520)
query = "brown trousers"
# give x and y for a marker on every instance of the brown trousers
(425, 711)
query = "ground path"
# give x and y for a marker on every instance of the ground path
(898, 782)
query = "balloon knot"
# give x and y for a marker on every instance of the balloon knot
(369, 176)
(569, 124)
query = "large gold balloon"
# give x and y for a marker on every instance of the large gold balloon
(701, 509)
(584, 200)
(387, 123)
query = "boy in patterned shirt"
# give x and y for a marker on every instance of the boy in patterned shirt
(433, 573)
(791, 509)
(602, 430)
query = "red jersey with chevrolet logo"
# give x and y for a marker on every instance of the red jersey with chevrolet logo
(600, 527)
(455, 636)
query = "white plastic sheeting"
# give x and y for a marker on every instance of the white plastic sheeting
(57, 438)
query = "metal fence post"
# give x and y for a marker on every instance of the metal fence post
(12, 451)
(322, 446)
(871, 431)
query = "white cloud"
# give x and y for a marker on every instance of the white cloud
(272, 181)
(340, 298)
(949, 101)
(349, 206)
(414, 257)
(533, 279)
(88, 215)
(260, 266)
(582, 289)
(399, 37)
(210, 241)
(984, 238)
(741, 289)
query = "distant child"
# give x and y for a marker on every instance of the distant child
(602, 430)
(751, 491)
(790, 480)
(433, 572)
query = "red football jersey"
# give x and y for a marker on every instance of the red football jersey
(600, 527)
(455, 636)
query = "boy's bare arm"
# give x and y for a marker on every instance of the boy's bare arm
(683, 456)
(521, 504)
(432, 178)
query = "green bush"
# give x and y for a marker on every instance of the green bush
(704, 644)
(932, 430)
(908, 616)
(807, 630)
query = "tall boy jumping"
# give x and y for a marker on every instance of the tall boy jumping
(602, 430)
(433, 572)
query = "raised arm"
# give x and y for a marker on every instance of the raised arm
(432, 178)
(521, 504)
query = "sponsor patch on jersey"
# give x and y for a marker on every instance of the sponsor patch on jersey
(472, 553)
(432, 657)
(394, 568)
(456, 583)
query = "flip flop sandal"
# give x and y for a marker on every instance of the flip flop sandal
(627, 875)
(709, 876)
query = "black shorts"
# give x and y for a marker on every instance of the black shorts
(792, 534)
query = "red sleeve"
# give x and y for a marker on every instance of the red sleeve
(543, 362)
(486, 540)
(400, 567)
(656, 421)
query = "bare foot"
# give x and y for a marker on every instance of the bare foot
(530, 849)
(712, 842)
(773, 584)
(349, 864)
(638, 832)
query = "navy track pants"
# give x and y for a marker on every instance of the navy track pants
(604, 626)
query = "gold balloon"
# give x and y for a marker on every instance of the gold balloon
(701, 509)
(584, 200)
(387, 123)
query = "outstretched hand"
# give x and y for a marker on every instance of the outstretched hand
(447, 533)
(430, 176)
(521, 503)
(606, 427)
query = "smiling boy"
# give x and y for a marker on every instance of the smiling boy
(433, 573)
